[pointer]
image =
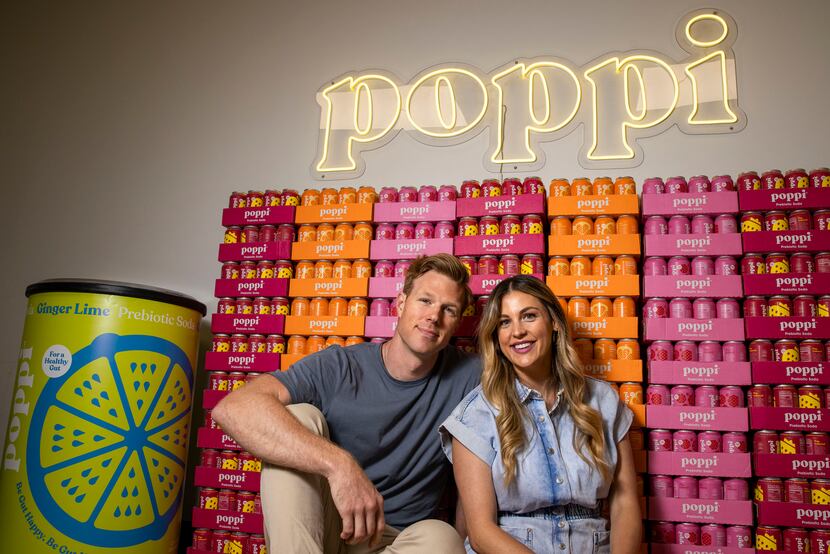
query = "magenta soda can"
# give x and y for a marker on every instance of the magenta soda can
(685, 351)
(722, 183)
(726, 223)
(735, 489)
(655, 225)
(662, 532)
(659, 395)
(713, 534)
(684, 441)
(699, 183)
(685, 487)
(662, 486)
(709, 351)
(388, 194)
(404, 231)
(706, 396)
(687, 533)
(734, 442)
(444, 230)
(660, 351)
(655, 265)
(703, 265)
(709, 441)
(680, 308)
(427, 193)
(424, 230)
(447, 193)
(682, 395)
(408, 194)
(727, 308)
(656, 308)
(401, 266)
(384, 268)
(654, 185)
(739, 536)
(734, 351)
(660, 440)
(702, 224)
(679, 225)
(385, 231)
(710, 488)
(379, 307)
(704, 308)
(731, 396)
(676, 184)
(726, 265)
(679, 265)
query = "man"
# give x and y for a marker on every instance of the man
(379, 478)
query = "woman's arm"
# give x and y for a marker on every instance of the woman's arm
(626, 521)
(478, 498)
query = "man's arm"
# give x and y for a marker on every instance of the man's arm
(256, 417)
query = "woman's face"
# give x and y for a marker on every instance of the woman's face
(525, 332)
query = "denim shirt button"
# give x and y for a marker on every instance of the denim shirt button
(542, 419)
(561, 524)
(551, 451)
(561, 546)
(559, 481)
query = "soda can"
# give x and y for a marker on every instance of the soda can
(799, 220)
(560, 187)
(625, 264)
(228, 459)
(318, 307)
(734, 351)
(735, 489)
(779, 306)
(685, 487)
(488, 265)
(314, 343)
(342, 269)
(823, 306)
(249, 234)
(405, 231)
(379, 307)
(385, 231)
(218, 380)
(765, 442)
(815, 444)
(283, 269)
(208, 457)
(509, 265)
(795, 539)
(820, 541)
(602, 186)
(244, 306)
(310, 197)
(751, 222)
(601, 306)
(401, 267)
(791, 442)
(581, 186)
(468, 262)
(753, 264)
(769, 489)
(256, 545)
(627, 225)
(265, 269)
(710, 351)
(655, 225)
(343, 231)
(256, 344)
(682, 395)
(821, 220)
(361, 269)
(532, 264)
(490, 187)
(660, 351)
(511, 187)
(802, 262)
(784, 396)
(680, 308)
(510, 225)
(424, 230)
(703, 265)
(810, 397)
(702, 224)
(772, 179)
(725, 223)
(820, 178)
(631, 393)
(706, 396)
(470, 189)
(366, 195)
(625, 185)
(468, 227)
(768, 538)
(338, 341)
(323, 269)
(584, 349)
(358, 307)
(582, 225)
(679, 225)
(208, 498)
(580, 266)
(776, 221)
(658, 395)
(255, 199)
(804, 305)
(713, 534)
(623, 306)
(299, 306)
(532, 224)
(786, 350)
(699, 183)
(307, 233)
(675, 185)
(325, 232)
(796, 179)
(679, 265)
(560, 225)
(684, 441)
(245, 502)
(685, 351)
(731, 396)
(749, 180)
(605, 349)
(305, 269)
(296, 345)
(722, 183)
(734, 442)
(347, 195)
(820, 491)
(226, 306)
(230, 270)
(338, 307)
(444, 230)
(447, 193)
(655, 265)
(329, 197)
(232, 235)
(755, 306)
(760, 396)
(662, 485)
(237, 378)
(275, 344)
(725, 265)
(710, 488)
(239, 343)
(388, 194)
(605, 225)
(727, 308)
(796, 490)
(663, 532)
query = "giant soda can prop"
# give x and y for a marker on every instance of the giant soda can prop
(96, 448)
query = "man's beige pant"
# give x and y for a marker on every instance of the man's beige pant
(300, 516)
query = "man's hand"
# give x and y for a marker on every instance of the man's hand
(359, 504)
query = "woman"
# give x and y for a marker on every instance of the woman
(538, 447)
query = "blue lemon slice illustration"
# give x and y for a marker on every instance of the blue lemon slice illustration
(108, 443)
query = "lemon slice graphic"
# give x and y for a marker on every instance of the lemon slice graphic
(107, 465)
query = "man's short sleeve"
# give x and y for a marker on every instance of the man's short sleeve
(473, 424)
(313, 379)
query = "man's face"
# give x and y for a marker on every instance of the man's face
(429, 315)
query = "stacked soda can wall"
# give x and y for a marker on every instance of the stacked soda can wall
(787, 282)
(697, 369)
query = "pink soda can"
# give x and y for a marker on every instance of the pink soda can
(388, 194)
(710, 488)
(682, 395)
(662, 485)
(704, 308)
(699, 183)
(654, 185)
(407, 194)
(447, 193)
(424, 230)
(662, 532)
(731, 396)
(658, 395)
(687, 533)
(685, 487)
(734, 351)
(703, 265)
(734, 442)
(404, 231)
(401, 266)
(427, 193)
(684, 441)
(379, 307)
(660, 440)
(735, 489)
(385, 231)
(680, 308)
(702, 224)
(739, 536)
(384, 268)
(655, 265)
(679, 225)
(726, 265)
(656, 308)
(727, 308)
(709, 441)
(709, 351)
(679, 265)
(706, 396)
(444, 230)
(685, 351)
(676, 184)
(722, 183)
(726, 223)
(713, 534)
(655, 225)
(660, 351)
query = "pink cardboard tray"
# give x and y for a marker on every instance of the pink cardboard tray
(216, 439)
(227, 520)
(787, 283)
(692, 286)
(815, 466)
(408, 249)
(786, 241)
(796, 373)
(500, 205)
(279, 250)
(500, 244)
(385, 287)
(700, 464)
(692, 549)
(714, 203)
(251, 287)
(484, 284)
(726, 244)
(783, 199)
(787, 327)
(694, 510)
(380, 326)
(242, 361)
(700, 373)
(697, 418)
(790, 419)
(272, 215)
(234, 479)
(395, 212)
(790, 514)
(247, 323)
(693, 329)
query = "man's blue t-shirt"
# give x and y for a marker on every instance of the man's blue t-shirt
(389, 426)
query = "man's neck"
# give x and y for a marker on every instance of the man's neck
(403, 364)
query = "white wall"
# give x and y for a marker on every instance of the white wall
(126, 125)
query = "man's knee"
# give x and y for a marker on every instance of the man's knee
(433, 535)
(311, 418)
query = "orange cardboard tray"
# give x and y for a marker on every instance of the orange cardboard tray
(594, 285)
(334, 213)
(287, 360)
(343, 326)
(639, 411)
(615, 204)
(618, 371)
(333, 250)
(591, 245)
(329, 287)
(602, 327)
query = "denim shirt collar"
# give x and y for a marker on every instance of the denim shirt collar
(526, 393)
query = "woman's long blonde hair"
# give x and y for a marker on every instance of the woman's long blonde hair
(498, 378)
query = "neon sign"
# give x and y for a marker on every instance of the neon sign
(619, 98)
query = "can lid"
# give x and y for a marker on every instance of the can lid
(117, 288)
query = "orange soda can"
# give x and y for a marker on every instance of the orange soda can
(305, 269)
(582, 225)
(362, 231)
(329, 196)
(579, 307)
(325, 232)
(299, 306)
(605, 225)
(367, 195)
(584, 349)
(323, 269)
(580, 266)
(623, 306)
(350, 341)
(581, 186)
(625, 185)
(560, 226)
(603, 186)
(332, 340)
(628, 349)
(625, 265)
(559, 265)
(601, 307)
(310, 197)
(358, 307)
(314, 343)
(296, 345)
(318, 307)
(631, 393)
(560, 187)
(347, 195)
(605, 349)
(343, 231)
(627, 225)
(307, 233)
(602, 266)
(563, 303)
(342, 269)
(338, 306)
(361, 269)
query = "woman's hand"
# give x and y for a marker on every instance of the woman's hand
(626, 520)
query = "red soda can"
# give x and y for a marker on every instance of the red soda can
(682, 395)
(654, 185)
(820, 491)
(755, 306)
(509, 265)
(218, 380)
(510, 225)
(265, 269)
(237, 542)
(731, 396)
(227, 500)
(769, 489)
(753, 264)
(786, 350)
(262, 306)
(760, 396)
(488, 265)
(656, 308)
(447, 193)
(784, 396)
(749, 181)
(797, 490)
(230, 270)
(256, 344)
(468, 227)
(404, 231)
(237, 200)
(219, 540)
(247, 270)
(289, 197)
(684, 441)
(796, 179)
(424, 230)
(804, 305)
(811, 397)
(663, 532)
(776, 221)
(444, 230)
(385, 231)
(779, 306)
(725, 223)
(699, 183)
(820, 541)
(765, 442)
(255, 199)
(791, 443)
(820, 178)
(821, 220)
(267, 233)
(532, 264)
(245, 502)
(427, 193)
(511, 187)
(244, 306)
(722, 183)
(533, 185)
(239, 343)
(280, 306)
(286, 232)
(490, 187)
(823, 306)
(734, 442)
(202, 539)
(795, 539)
(811, 350)
(751, 222)
(226, 306)
(768, 538)
(470, 263)
(208, 457)
(706, 396)
(815, 444)
(272, 198)
(208, 498)
(250, 233)
(532, 224)
(660, 351)
(772, 179)
(676, 184)
(702, 224)
(658, 395)
(470, 189)
(802, 262)
(275, 344)
(237, 378)
(256, 545)
(799, 220)
(713, 534)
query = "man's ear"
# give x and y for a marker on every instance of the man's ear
(399, 302)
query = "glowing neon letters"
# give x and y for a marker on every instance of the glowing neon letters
(620, 98)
